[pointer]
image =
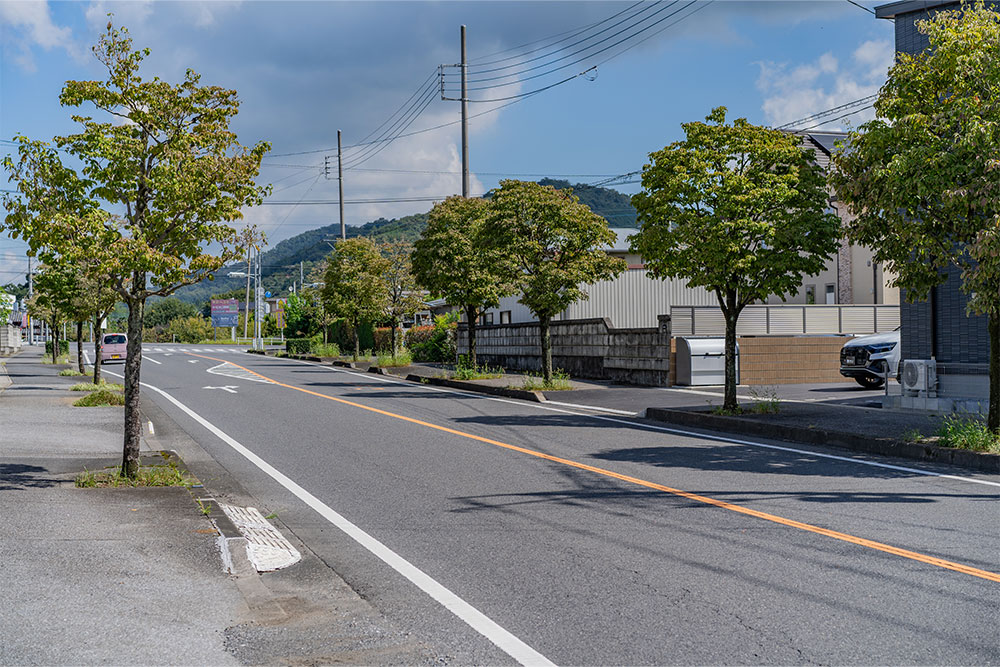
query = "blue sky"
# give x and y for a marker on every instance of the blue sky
(305, 69)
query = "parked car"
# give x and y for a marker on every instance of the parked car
(866, 359)
(113, 347)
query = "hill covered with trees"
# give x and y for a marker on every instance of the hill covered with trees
(281, 263)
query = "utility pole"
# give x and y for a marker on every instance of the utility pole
(465, 120)
(258, 344)
(302, 275)
(246, 314)
(31, 293)
(340, 186)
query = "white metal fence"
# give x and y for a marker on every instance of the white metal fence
(786, 320)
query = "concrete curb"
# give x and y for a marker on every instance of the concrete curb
(343, 364)
(5, 380)
(523, 394)
(964, 458)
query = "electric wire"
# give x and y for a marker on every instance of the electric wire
(827, 112)
(372, 151)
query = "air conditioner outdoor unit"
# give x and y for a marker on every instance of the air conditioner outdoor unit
(920, 377)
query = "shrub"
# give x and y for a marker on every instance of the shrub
(298, 345)
(968, 433)
(383, 339)
(402, 358)
(100, 398)
(440, 342)
(192, 329)
(417, 335)
(63, 347)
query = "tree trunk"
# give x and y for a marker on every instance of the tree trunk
(98, 339)
(54, 338)
(470, 314)
(79, 347)
(993, 420)
(732, 315)
(543, 327)
(357, 343)
(393, 336)
(133, 361)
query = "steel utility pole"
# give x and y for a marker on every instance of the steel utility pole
(31, 293)
(465, 120)
(246, 314)
(340, 186)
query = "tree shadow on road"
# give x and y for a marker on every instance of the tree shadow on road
(16, 476)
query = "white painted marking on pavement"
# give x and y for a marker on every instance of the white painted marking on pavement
(627, 413)
(665, 429)
(148, 358)
(151, 431)
(476, 619)
(192, 361)
(231, 388)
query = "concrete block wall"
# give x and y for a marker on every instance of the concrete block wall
(10, 340)
(589, 348)
(767, 360)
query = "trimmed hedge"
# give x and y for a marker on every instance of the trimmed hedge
(63, 347)
(298, 345)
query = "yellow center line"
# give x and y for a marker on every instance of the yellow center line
(844, 537)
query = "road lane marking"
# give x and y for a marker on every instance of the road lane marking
(148, 358)
(231, 388)
(791, 523)
(626, 413)
(477, 620)
(663, 429)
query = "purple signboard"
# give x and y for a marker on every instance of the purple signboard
(225, 312)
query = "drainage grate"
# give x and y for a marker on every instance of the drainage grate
(267, 549)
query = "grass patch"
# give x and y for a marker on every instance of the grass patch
(64, 359)
(532, 382)
(966, 432)
(328, 350)
(765, 401)
(913, 435)
(100, 398)
(90, 386)
(70, 373)
(161, 475)
(401, 358)
(483, 372)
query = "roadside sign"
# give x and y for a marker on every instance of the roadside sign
(225, 312)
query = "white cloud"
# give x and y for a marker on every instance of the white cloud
(792, 93)
(28, 24)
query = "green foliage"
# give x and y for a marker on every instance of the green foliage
(401, 358)
(70, 372)
(161, 475)
(966, 432)
(192, 329)
(324, 349)
(559, 382)
(765, 400)
(434, 344)
(63, 347)
(551, 247)
(452, 258)
(101, 398)
(298, 345)
(922, 177)
(466, 370)
(355, 287)
(300, 317)
(550, 243)
(738, 209)
(90, 386)
(161, 312)
(403, 298)
(611, 205)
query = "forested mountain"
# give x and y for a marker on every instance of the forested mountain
(281, 263)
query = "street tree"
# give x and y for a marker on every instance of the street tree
(453, 260)
(355, 288)
(55, 287)
(738, 209)
(165, 156)
(922, 178)
(552, 247)
(403, 298)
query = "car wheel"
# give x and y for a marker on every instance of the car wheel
(869, 382)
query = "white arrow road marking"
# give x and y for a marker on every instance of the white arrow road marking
(192, 361)
(231, 388)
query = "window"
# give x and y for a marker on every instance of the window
(504, 317)
(810, 294)
(831, 296)
(486, 318)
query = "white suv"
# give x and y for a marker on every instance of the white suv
(868, 358)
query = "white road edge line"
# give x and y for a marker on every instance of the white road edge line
(477, 620)
(665, 429)
(627, 413)
(148, 358)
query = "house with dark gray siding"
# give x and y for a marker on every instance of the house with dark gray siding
(938, 328)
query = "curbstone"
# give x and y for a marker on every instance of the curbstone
(981, 461)
(524, 394)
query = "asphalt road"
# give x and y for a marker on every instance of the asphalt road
(597, 539)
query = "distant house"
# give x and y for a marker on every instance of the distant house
(938, 327)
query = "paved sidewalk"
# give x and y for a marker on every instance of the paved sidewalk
(97, 575)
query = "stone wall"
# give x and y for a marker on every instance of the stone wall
(589, 348)
(767, 360)
(10, 340)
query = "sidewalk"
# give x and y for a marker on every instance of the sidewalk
(97, 575)
(135, 576)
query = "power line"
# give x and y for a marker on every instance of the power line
(821, 114)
